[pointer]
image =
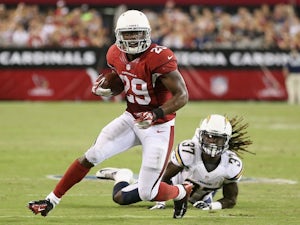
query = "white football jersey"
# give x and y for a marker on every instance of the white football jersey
(188, 155)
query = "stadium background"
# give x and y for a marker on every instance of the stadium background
(41, 138)
(60, 73)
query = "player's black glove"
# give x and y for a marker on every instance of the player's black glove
(208, 206)
(201, 205)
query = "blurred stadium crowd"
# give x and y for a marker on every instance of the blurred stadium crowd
(193, 27)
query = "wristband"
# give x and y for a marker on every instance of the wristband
(159, 113)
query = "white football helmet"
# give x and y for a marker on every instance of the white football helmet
(135, 22)
(214, 134)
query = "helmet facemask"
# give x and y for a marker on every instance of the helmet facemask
(214, 134)
(133, 41)
(213, 144)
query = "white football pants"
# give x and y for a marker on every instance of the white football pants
(121, 134)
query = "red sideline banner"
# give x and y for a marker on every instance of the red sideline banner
(235, 84)
(75, 84)
(45, 84)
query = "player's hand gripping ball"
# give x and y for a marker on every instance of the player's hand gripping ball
(109, 84)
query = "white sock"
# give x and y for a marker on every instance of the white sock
(53, 199)
(182, 192)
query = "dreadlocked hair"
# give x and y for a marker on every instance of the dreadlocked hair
(239, 140)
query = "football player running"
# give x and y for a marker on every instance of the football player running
(209, 160)
(154, 90)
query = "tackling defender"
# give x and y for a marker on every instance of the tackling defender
(209, 160)
(154, 90)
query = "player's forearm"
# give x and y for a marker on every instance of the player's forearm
(170, 172)
(230, 193)
(175, 103)
(227, 203)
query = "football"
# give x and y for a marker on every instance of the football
(114, 82)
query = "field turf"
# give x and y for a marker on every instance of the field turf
(38, 139)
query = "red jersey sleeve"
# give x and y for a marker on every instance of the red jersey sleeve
(112, 56)
(163, 60)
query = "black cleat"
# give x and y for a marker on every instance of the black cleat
(180, 206)
(41, 206)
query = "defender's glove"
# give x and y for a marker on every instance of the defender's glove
(98, 90)
(208, 206)
(159, 205)
(144, 119)
(201, 205)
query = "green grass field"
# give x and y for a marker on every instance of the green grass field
(38, 139)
